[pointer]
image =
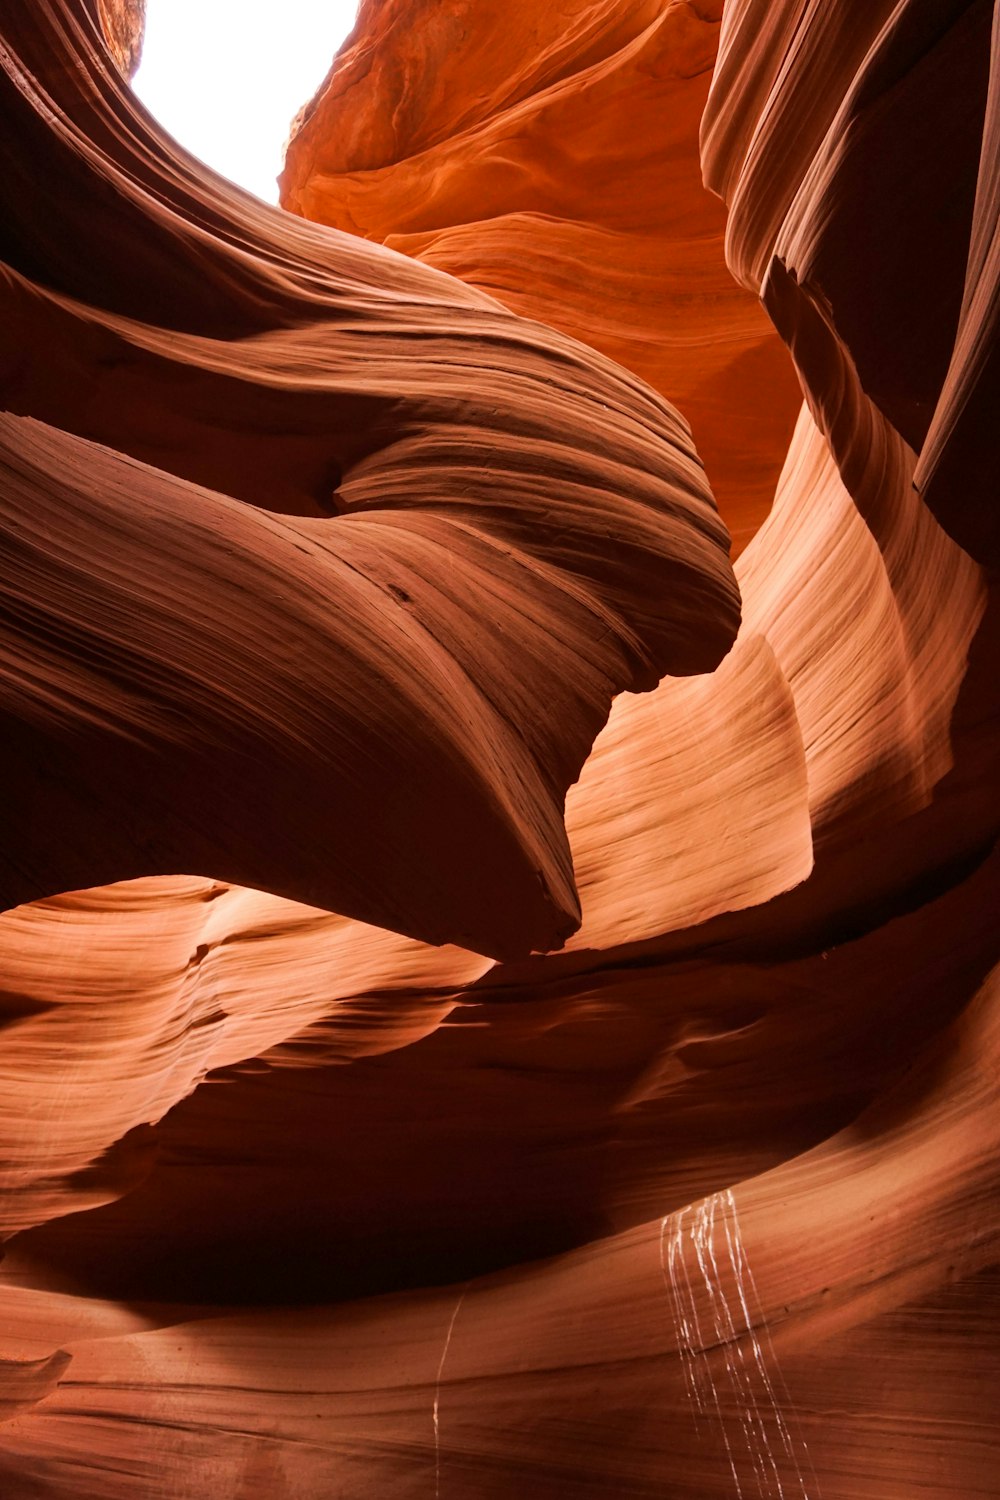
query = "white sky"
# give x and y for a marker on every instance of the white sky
(226, 77)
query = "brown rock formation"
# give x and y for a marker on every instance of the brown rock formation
(544, 155)
(123, 23)
(804, 198)
(424, 761)
(321, 570)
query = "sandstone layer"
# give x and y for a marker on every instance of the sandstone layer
(495, 1001)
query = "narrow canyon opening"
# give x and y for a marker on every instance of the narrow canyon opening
(227, 77)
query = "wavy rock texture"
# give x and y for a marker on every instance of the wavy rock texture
(424, 758)
(526, 145)
(321, 571)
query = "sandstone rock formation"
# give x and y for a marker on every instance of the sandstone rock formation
(545, 156)
(324, 1173)
(122, 24)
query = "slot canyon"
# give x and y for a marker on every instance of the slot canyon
(500, 939)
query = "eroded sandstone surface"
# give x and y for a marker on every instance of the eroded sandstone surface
(499, 999)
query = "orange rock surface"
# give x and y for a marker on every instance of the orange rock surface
(543, 153)
(495, 1002)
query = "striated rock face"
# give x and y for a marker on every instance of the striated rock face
(800, 211)
(495, 1001)
(402, 695)
(545, 156)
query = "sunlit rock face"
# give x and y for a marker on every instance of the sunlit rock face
(122, 25)
(498, 1002)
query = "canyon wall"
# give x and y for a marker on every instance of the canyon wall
(498, 998)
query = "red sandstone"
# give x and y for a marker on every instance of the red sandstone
(497, 1000)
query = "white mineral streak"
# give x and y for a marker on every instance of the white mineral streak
(436, 1411)
(745, 1278)
(690, 1339)
(715, 1331)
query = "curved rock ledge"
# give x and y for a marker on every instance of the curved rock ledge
(514, 531)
